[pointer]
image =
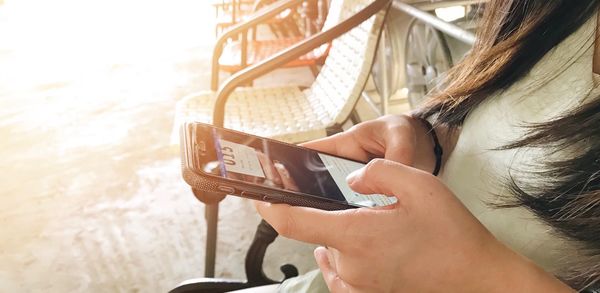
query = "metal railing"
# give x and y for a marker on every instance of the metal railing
(421, 10)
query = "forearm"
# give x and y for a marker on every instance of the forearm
(511, 272)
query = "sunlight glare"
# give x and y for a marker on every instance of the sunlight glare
(65, 59)
(450, 13)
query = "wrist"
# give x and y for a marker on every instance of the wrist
(425, 155)
(437, 148)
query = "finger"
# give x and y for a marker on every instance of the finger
(334, 258)
(268, 168)
(381, 176)
(307, 224)
(342, 144)
(332, 279)
(286, 179)
(325, 145)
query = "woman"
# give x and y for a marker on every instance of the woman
(516, 207)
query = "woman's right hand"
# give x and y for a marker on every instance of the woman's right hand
(399, 138)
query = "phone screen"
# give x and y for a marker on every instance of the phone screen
(272, 164)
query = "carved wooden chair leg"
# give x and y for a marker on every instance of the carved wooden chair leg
(265, 235)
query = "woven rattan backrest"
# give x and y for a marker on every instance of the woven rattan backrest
(339, 85)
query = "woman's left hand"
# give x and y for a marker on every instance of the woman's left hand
(426, 242)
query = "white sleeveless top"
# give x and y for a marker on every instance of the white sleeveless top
(476, 172)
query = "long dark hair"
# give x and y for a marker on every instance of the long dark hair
(514, 36)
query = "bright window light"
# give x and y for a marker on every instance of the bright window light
(450, 13)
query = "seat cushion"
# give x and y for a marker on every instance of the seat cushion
(281, 113)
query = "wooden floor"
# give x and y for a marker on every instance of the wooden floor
(91, 198)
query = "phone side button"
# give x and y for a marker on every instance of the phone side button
(251, 195)
(226, 189)
(271, 199)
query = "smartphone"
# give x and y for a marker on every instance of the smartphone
(235, 163)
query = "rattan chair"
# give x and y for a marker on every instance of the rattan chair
(288, 113)
(238, 47)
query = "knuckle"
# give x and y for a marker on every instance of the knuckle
(377, 176)
(354, 129)
(401, 126)
(370, 171)
(363, 126)
(374, 166)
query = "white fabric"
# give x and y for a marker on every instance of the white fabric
(476, 172)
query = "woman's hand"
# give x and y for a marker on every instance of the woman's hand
(427, 242)
(399, 138)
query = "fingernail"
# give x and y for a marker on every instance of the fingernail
(352, 176)
(320, 253)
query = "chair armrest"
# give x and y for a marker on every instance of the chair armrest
(252, 72)
(261, 16)
(264, 14)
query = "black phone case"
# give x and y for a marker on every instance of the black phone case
(205, 183)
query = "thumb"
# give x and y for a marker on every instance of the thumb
(386, 177)
(333, 280)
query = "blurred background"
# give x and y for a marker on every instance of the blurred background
(91, 197)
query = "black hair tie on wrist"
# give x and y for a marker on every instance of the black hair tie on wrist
(437, 148)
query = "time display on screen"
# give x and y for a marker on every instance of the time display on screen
(241, 159)
(228, 156)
